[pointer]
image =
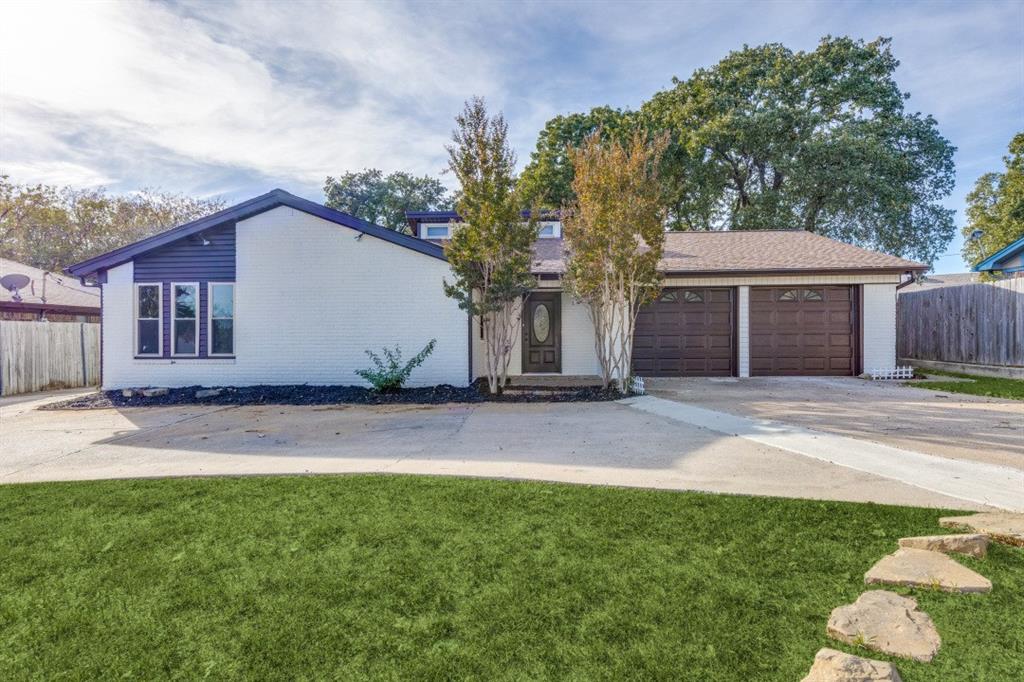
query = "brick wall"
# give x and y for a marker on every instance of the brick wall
(309, 299)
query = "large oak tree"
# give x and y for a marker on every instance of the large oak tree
(770, 138)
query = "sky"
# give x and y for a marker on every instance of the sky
(232, 99)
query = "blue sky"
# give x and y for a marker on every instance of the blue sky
(232, 99)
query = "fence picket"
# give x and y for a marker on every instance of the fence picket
(38, 356)
(974, 323)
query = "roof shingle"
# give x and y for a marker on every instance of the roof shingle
(745, 251)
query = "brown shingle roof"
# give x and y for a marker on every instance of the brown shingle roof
(61, 290)
(746, 251)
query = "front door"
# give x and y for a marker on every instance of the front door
(542, 332)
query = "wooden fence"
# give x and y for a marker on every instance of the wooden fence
(39, 356)
(980, 324)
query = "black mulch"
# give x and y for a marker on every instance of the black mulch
(332, 395)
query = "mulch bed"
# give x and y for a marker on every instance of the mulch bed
(332, 395)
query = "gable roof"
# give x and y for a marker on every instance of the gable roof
(48, 290)
(248, 209)
(1009, 251)
(747, 251)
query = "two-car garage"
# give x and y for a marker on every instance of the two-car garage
(793, 330)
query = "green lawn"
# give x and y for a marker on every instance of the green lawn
(429, 578)
(992, 387)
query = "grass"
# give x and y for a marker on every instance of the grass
(374, 577)
(993, 387)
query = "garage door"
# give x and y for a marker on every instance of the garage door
(802, 330)
(686, 332)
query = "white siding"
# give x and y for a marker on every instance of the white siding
(310, 299)
(743, 330)
(879, 318)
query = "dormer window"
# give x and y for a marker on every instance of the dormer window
(549, 230)
(435, 230)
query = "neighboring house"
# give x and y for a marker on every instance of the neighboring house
(49, 296)
(929, 282)
(1008, 260)
(281, 290)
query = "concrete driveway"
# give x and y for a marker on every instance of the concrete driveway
(952, 425)
(593, 443)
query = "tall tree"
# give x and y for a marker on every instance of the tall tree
(995, 207)
(490, 253)
(547, 179)
(52, 227)
(770, 138)
(384, 199)
(615, 235)
(818, 140)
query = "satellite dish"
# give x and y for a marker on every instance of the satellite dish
(14, 282)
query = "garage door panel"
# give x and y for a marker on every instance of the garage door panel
(690, 337)
(802, 330)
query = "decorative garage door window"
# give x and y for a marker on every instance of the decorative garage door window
(693, 296)
(541, 323)
(801, 295)
(668, 297)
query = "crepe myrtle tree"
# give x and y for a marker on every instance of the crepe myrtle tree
(615, 234)
(490, 253)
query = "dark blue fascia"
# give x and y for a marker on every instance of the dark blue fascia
(248, 209)
(1008, 251)
(424, 216)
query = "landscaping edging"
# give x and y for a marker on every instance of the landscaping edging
(302, 394)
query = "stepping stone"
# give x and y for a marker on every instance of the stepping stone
(835, 666)
(1004, 527)
(886, 622)
(923, 568)
(974, 544)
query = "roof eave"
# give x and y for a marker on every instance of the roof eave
(989, 263)
(242, 211)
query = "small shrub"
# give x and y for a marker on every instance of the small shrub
(390, 375)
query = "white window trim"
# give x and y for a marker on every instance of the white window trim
(424, 230)
(174, 319)
(159, 321)
(556, 229)
(209, 319)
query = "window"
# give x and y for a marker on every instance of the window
(434, 231)
(813, 295)
(148, 303)
(184, 322)
(668, 297)
(221, 330)
(549, 230)
(790, 295)
(693, 296)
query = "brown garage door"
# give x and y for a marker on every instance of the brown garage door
(686, 332)
(802, 330)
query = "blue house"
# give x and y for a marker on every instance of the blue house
(1008, 260)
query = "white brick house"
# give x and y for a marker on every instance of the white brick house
(280, 290)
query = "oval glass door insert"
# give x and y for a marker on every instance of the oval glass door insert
(541, 323)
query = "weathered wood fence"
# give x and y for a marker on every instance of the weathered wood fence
(979, 324)
(38, 356)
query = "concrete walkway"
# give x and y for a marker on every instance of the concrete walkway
(988, 484)
(589, 443)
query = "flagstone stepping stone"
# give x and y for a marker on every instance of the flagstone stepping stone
(974, 544)
(1004, 527)
(886, 622)
(923, 568)
(835, 666)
